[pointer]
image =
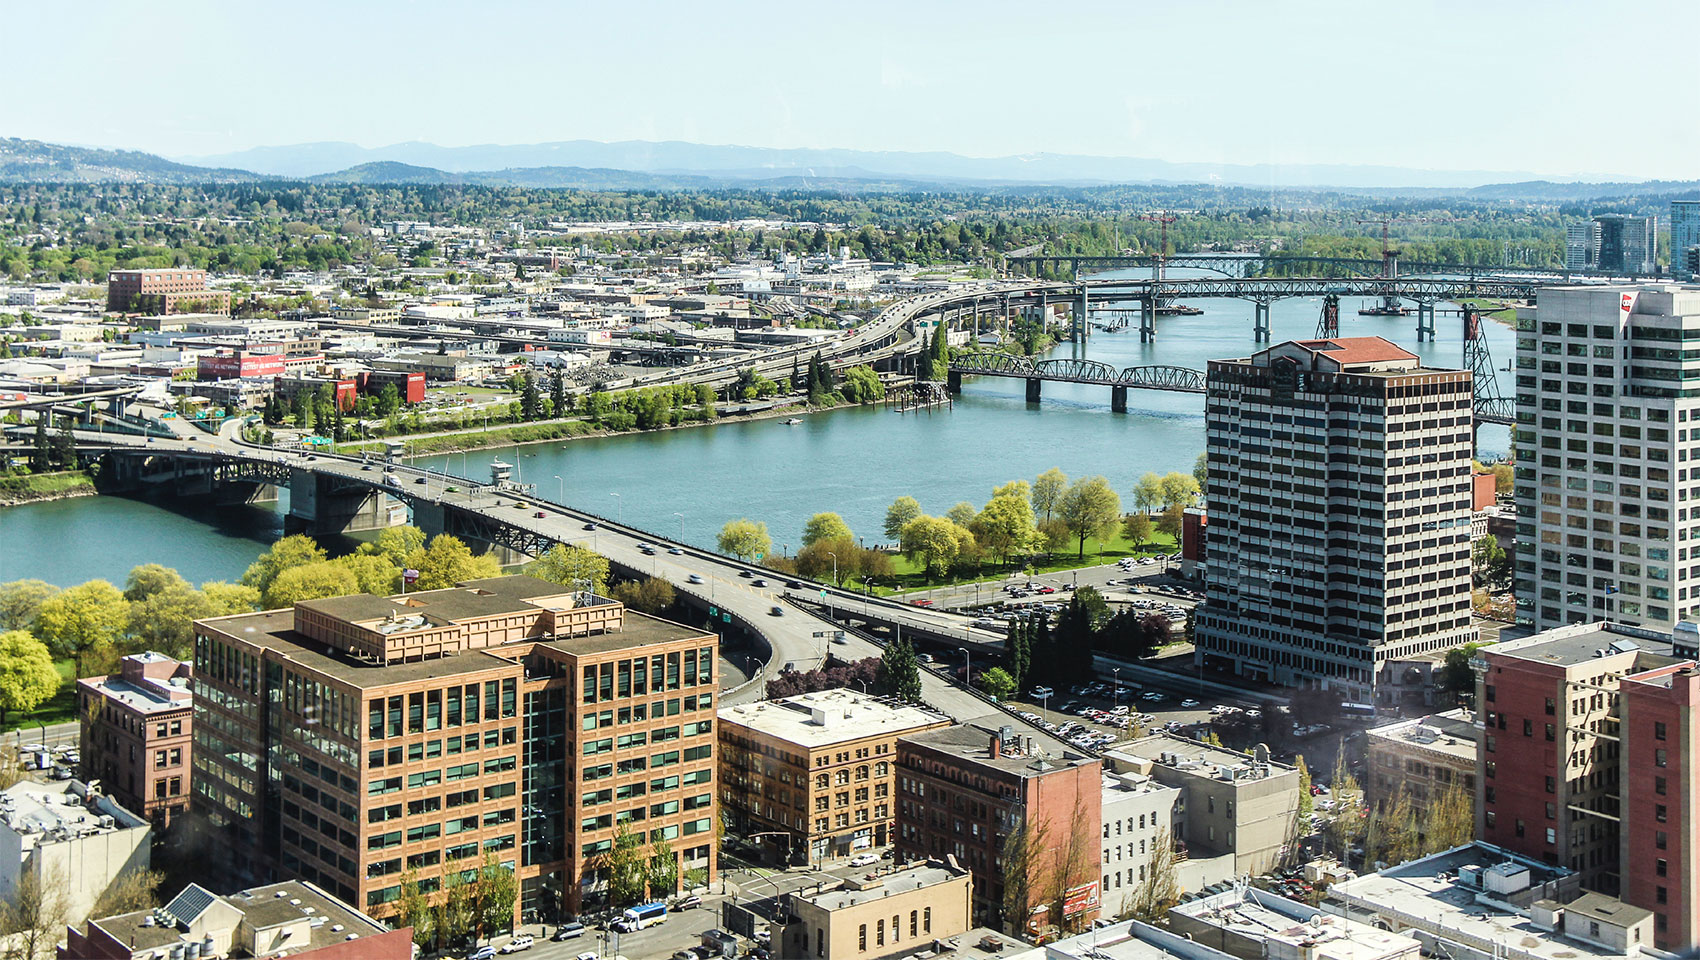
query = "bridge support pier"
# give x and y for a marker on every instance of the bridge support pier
(1260, 321)
(321, 505)
(953, 381)
(1082, 318)
(1118, 399)
(1148, 320)
(1033, 389)
(1425, 320)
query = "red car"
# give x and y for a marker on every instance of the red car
(1047, 589)
(922, 603)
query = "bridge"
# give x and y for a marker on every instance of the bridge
(331, 493)
(1253, 264)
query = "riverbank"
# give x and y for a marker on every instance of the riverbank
(552, 431)
(42, 487)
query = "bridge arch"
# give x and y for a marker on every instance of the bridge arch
(1003, 363)
(1075, 369)
(1162, 377)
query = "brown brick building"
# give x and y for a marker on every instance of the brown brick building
(815, 772)
(163, 291)
(137, 735)
(349, 740)
(963, 790)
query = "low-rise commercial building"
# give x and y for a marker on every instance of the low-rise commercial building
(163, 290)
(892, 914)
(813, 774)
(1252, 924)
(292, 918)
(67, 837)
(1237, 805)
(138, 734)
(1138, 816)
(962, 791)
(1420, 758)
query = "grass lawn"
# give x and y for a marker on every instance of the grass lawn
(45, 484)
(910, 577)
(1493, 309)
(61, 708)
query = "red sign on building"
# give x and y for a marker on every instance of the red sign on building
(228, 366)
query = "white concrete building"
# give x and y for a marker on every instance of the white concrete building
(1137, 812)
(70, 837)
(1341, 522)
(1604, 407)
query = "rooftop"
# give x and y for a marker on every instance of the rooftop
(1453, 733)
(1195, 757)
(830, 716)
(1348, 350)
(43, 813)
(1579, 643)
(144, 695)
(854, 892)
(1262, 916)
(329, 920)
(1018, 754)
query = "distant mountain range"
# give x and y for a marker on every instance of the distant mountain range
(674, 165)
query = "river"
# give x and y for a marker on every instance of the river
(853, 461)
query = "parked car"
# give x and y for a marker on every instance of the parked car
(1042, 692)
(523, 941)
(482, 953)
(570, 930)
(688, 903)
(1189, 704)
(864, 860)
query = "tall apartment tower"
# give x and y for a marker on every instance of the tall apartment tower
(1627, 244)
(1581, 246)
(1340, 522)
(1684, 237)
(1606, 390)
(354, 740)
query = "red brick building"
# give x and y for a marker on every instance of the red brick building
(1482, 487)
(1587, 762)
(174, 290)
(137, 735)
(238, 364)
(411, 386)
(963, 790)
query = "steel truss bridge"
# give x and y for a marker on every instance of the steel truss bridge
(1251, 264)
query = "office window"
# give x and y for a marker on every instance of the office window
(1658, 730)
(1659, 758)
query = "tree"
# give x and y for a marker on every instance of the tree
(931, 542)
(899, 674)
(661, 871)
(1015, 488)
(1179, 489)
(1137, 528)
(396, 543)
(446, 561)
(649, 595)
(312, 581)
(456, 914)
(494, 898)
(1491, 563)
(413, 909)
(224, 599)
(924, 359)
(625, 868)
(558, 394)
(1347, 827)
(1022, 849)
(1072, 864)
(1148, 493)
(1172, 521)
(962, 514)
(164, 620)
(571, 565)
(1160, 889)
(136, 889)
(1306, 803)
(997, 683)
(35, 914)
(28, 678)
(291, 551)
(20, 600)
(74, 622)
(1201, 472)
(151, 578)
(1457, 677)
(1048, 490)
(1005, 526)
(825, 526)
(744, 538)
(1018, 651)
(898, 515)
(1090, 508)
(1449, 820)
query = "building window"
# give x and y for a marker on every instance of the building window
(1661, 867)
(1659, 786)
(1552, 835)
(1549, 733)
(1659, 758)
(1659, 813)
(862, 938)
(1658, 730)
(1660, 896)
(1659, 839)
(879, 933)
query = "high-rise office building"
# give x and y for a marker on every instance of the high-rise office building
(352, 740)
(1339, 528)
(1606, 391)
(1684, 236)
(1626, 244)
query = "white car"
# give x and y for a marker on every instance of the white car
(1189, 704)
(521, 942)
(1041, 693)
(864, 860)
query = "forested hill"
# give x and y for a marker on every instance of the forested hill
(32, 161)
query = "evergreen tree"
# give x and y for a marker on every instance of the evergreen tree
(530, 398)
(924, 359)
(899, 674)
(558, 393)
(1018, 652)
(65, 448)
(41, 450)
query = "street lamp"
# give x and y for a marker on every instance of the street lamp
(967, 666)
(619, 508)
(1115, 689)
(681, 525)
(560, 490)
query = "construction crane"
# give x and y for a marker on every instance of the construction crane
(1165, 218)
(1390, 305)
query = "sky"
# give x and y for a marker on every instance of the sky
(1560, 88)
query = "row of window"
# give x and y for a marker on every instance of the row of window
(432, 749)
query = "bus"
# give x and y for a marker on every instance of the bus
(641, 916)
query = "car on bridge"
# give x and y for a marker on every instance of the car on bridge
(694, 578)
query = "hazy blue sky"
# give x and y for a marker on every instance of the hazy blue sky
(1560, 88)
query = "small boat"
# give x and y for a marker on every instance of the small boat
(793, 422)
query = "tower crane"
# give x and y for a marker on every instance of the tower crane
(1390, 305)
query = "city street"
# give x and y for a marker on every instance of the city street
(1095, 575)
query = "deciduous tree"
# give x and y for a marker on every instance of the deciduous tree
(1005, 526)
(20, 600)
(1148, 493)
(744, 538)
(1179, 489)
(570, 565)
(446, 561)
(825, 526)
(997, 683)
(898, 515)
(1137, 528)
(1048, 490)
(312, 581)
(291, 551)
(28, 678)
(650, 595)
(931, 542)
(88, 616)
(1090, 508)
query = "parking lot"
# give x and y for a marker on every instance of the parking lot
(1102, 712)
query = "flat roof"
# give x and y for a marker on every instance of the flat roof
(1196, 757)
(1453, 732)
(1580, 642)
(1263, 916)
(146, 698)
(845, 715)
(43, 813)
(917, 877)
(973, 741)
